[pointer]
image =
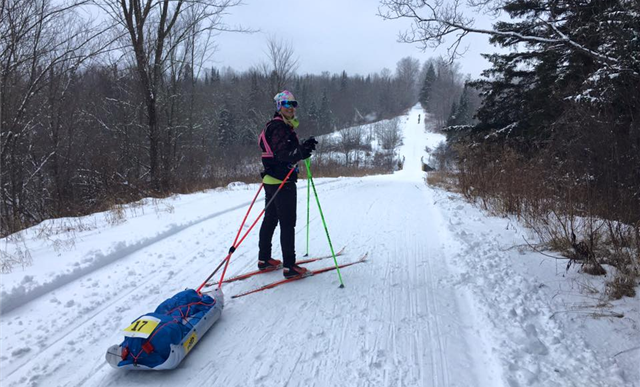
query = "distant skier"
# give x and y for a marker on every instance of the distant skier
(281, 150)
(418, 118)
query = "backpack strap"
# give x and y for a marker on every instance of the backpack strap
(262, 140)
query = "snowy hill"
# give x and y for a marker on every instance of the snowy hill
(443, 300)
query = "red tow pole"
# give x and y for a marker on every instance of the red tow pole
(232, 249)
(235, 245)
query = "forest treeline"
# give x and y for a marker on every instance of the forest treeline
(100, 113)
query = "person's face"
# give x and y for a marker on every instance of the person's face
(287, 109)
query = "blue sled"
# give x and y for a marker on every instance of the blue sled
(162, 339)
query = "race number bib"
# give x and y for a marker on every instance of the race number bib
(142, 327)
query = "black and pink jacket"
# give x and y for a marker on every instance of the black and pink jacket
(280, 149)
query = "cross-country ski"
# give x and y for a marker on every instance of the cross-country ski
(311, 272)
(303, 261)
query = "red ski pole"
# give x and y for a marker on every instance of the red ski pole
(250, 228)
(236, 244)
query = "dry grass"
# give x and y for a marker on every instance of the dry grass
(327, 167)
(443, 179)
(567, 212)
(19, 255)
(622, 286)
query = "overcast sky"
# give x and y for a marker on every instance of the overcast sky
(330, 35)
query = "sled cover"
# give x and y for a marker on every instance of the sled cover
(160, 340)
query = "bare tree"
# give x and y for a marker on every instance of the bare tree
(446, 89)
(389, 134)
(351, 139)
(282, 64)
(155, 29)
(79, 135)
(407, 72)
(42, 45)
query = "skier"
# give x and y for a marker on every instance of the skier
(418, 118)
(281, 150)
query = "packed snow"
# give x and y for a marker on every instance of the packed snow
(447, 296)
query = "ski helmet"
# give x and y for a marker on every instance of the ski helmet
(284, 95)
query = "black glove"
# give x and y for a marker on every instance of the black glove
(310, 143)
(305, 152)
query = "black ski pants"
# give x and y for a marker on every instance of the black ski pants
(282, 210)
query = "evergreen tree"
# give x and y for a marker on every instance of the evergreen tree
(343, 81)
(453, 116)
(425, 92)
(215, 76)
(463, 114)
(576, 103)
(298, 86)
(313, 117)
(255, 96)
(226, 135)
(529, 90)
(325, 116)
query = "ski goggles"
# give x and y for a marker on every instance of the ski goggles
(289, 104)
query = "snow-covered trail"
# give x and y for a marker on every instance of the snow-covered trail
(435, 304)
(392, 325)
(389, 326)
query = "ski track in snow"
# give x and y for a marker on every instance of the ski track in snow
(435, 304)
(141, 267)
(382, 329)
(99, 259)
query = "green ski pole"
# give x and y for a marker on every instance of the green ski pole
(308, 198)
(307, 163)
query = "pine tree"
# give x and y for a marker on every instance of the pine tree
(313, 111)
(526, 90)
(215, 76)
(464, 115)
(344, 79)
(425, 92)
(453, 118)
(255, 96)
(226, 133)
(325, 116)
(577, 103)
(312, 116)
